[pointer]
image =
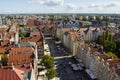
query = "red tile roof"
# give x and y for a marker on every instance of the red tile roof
(4, 43)
(8, 74)
(74, 35)
(8, 35)
(21, 69)
(37, 39)
(2, 50)
(15, 27)
(37, 33)
(21, 55)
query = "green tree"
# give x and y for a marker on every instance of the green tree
(49, 64)
(90, 18)
(22, 34)
(84, 19)
(98, 18)
(118, 45)
(48, 61)
(109, 46)
(51, 73)
(106, 36)
(4, 60)
(100, 39)
(51, 18)
(110, 37)
(113, 55)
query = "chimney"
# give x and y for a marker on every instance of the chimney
(12, 66)
(19, 45)
(1, 66)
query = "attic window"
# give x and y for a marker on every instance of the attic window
(27, 52)
(19, 52)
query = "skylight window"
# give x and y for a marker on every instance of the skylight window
(27, 52)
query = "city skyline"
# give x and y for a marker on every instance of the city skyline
(59, 6)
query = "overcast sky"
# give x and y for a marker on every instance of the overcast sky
(59, 6)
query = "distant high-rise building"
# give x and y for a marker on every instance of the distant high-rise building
(94, 17)
(81, 18)
(25, 22)
(8, 22)
(0, 20)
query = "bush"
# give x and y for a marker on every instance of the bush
(112, 55)
(22, 34)
(109, 46)
(51, 73)
(4, 60)
(48, 61)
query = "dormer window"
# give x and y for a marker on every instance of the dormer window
(26, 52)
(19, 52)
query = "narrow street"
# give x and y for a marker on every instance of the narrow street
(62, 58)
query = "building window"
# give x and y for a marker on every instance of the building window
(27, 52)
(19, 52)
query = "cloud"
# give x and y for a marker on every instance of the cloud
(47, 2)
(71, 6)
(103, 5)
(110, 4)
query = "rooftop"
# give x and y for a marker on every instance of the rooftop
(8, 74)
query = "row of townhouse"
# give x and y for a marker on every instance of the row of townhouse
(102, 66)
(87, 33)
(73, 37)
(47, 28)
(22, 54)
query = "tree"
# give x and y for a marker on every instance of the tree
(22, 34)
(4, 60)
(100, 39)
(106, 36)
(51, 18)
(113, 55)
(98, 18)
(110, 37)
(49, 64)
(51, 73)
(109, 46)
(118, 46)
(48, 61)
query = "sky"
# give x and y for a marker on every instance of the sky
(59, 6)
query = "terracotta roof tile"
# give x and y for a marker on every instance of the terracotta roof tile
(8, 74)
(15, 27)
(20, 69)
(74, 35)
(8, 35)
(50, 26)
(66, 29)
(4, 43)
(21, 55)
(103, 56)
(2, 50)
(35, 33)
